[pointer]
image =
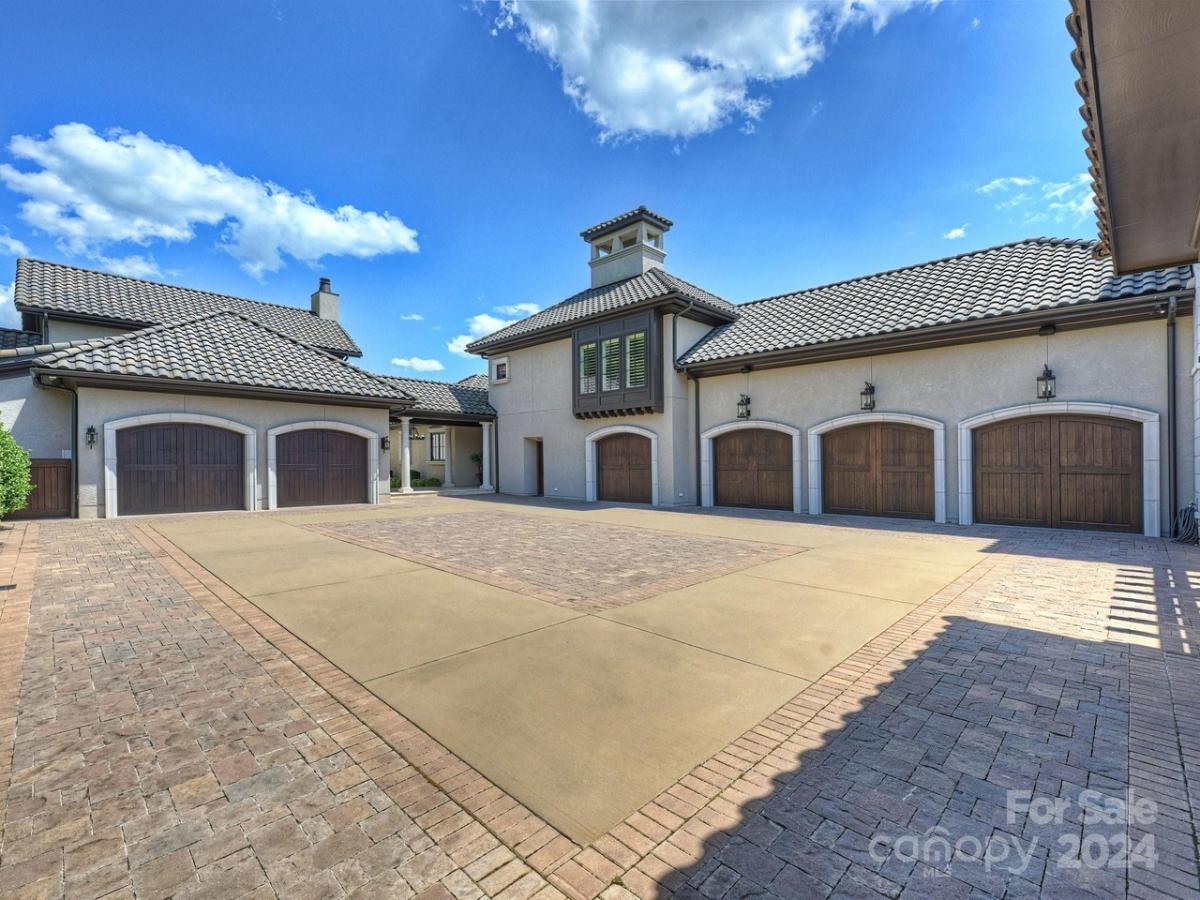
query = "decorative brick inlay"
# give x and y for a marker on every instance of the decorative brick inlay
(578, 565)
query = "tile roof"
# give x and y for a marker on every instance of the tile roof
(83, 292)
(11, 338)
(223, 348)
(618, 222)
(475, 381)
(443, 397)
(1035, 274)
(607, 298)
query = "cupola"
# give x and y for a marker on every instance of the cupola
(627, 245)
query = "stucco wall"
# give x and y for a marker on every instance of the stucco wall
(463, 441)
(39, 418)
(58, 330)
(536, 404)
(97, 406)
(1123, 364)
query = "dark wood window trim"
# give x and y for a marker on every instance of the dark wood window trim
(610, 376)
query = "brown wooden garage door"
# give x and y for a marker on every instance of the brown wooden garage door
(878, 469)
(623, 464)
(51, 494)
(1060, 472)
(178, 468)
(316, 467)
(753, 467)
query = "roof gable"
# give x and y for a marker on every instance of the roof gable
(221, 348)
(647, 287)
(70, 291)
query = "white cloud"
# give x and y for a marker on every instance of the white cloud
(1064, 202)
(90, 191)
(412, 317)
(135, 266)
(10, 246)
(478, 326)
(1004, 184)
(518, 309)
(955, 234)
(680, 68)
(417, 364)
(975, 23)
(8, 312)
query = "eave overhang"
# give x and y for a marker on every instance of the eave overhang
(997, 328)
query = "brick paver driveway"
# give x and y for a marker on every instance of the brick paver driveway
(1020, 699)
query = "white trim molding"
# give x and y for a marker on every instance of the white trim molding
(1151, 503)
(373, 440)
(815, 481)
(249, 452)
(589, 445)
(708, 476)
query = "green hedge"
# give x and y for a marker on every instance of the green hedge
(15, 486)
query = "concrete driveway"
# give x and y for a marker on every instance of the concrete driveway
(583, 660)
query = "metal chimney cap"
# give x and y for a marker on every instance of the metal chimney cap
(326, 286)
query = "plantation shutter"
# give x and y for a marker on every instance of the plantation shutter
(610, 361)
(635, 360)
(587, 368)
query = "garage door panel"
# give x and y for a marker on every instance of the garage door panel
(623, 464)
(176, 467)
(752, 467)
(1060, 471)
(317, 466)
(878, 469)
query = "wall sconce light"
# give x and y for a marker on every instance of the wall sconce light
(385, 442)
(1045, 384)
(866, 397)
(743, 406)
(90, 434)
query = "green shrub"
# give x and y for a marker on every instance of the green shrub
(14, 474)
(427, 482)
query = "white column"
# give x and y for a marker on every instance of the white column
(487, 457)
(405, 456)
(449, 479)
(1195, 400)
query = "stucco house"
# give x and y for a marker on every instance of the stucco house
(136, 397)
(1020, 384)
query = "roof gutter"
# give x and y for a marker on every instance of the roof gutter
(994, 328)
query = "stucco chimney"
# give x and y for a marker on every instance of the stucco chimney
(325, 301)
(627, 245)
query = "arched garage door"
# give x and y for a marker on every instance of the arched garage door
(878, 469)
(1060, 471)
(753, 467)
(319, 466)
(178, 467)
(623, 468)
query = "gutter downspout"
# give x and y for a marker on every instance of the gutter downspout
(1172, 461)
(74, 442)
(696, 381)
(696, 430)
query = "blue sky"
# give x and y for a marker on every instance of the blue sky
(792, 146)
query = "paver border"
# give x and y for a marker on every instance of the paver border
(18, 563)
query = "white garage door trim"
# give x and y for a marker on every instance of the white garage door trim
(707, 476)
(815, 482)
(249, 452)
(1150, 473)
(373, 440)
(589, 451)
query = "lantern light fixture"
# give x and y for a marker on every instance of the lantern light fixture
(1045, 384)
(743, 406)
(90, 434)
(385, 443)
(867, 397)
